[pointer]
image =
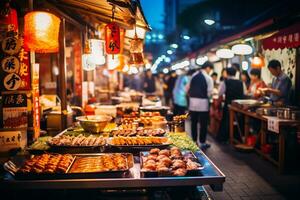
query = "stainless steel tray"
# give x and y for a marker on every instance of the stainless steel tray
(211, 175)
(70, 175)
(146, 174)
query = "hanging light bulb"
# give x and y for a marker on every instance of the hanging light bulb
(224, 53)
(257, 62)
(242, 49)
(41, 31)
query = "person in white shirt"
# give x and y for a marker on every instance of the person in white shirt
(199, 90)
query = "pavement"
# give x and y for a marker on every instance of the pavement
(249, 176)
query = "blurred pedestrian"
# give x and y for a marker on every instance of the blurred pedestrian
(170, 86)
(199, 91)
(149, 82)
(179, 94)
(232, 89)
(245, 78)
(159, 82)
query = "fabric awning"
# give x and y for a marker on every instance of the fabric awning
(285, 38)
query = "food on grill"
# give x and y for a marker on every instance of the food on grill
(48, 163)
(102, 163)
(172, 162)
(120, 140)
(140, 131)
(80, 140)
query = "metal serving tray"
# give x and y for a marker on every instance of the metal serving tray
(75, 149)
(211, 175)
(146, 174)
(69, 175)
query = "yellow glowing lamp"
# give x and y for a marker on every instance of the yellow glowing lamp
(41, 30)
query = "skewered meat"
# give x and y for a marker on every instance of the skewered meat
(80, 140)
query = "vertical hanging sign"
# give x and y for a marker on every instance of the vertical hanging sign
(112, 38)
(35, 100)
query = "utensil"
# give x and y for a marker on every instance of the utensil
(94, 123)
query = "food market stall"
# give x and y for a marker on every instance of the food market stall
(125, 156)
(277, 121)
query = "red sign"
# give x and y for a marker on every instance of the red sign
(35, 100)
(112, 38)
(285, 38)
(78, 69)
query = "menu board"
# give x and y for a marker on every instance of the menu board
(15, 113)
(12, 140)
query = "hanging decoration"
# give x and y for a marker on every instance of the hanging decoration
(257, 62)
(136, 50)
(224, 53)
(112, 36)
(242, 49)
(86, 64)
(8, 19)
(41, 30)
(97, 52)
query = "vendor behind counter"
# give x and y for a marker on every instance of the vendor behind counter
(280, 89)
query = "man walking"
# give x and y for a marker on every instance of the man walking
(199, 91)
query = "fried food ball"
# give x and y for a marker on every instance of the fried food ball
(150, 162)
(151, 157)
(162, 169)
(154, 151)
(178, 164)
(160, 157)
(164, 152)
(179, 172)
(166, 161)
(150, 167)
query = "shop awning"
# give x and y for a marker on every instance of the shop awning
(285, 38)
(128, 13)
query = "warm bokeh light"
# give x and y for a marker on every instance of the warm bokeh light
(41, 30)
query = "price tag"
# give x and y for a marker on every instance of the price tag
(273, 124)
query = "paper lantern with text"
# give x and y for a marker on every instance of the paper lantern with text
(41, 30)
(112, 38)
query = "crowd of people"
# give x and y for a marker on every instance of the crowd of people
(206, 97)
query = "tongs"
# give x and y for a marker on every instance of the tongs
(10, 167)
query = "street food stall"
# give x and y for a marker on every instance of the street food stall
(131, 141)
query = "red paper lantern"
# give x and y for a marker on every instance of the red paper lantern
(112, 38)
(41, 31)
(11, 20)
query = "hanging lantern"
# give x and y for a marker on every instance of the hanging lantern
(96, 52)
(242, 49)
(257, 62)
(224, 53)
(41, 31)
(86, 64)
(9, 18)
(112, 38)
(112, 62)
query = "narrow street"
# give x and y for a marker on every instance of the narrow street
(249, 176)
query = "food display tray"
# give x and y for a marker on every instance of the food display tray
(83, 175)
(211, 176)
(75, 149)
(135, 149)
(145, 174)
